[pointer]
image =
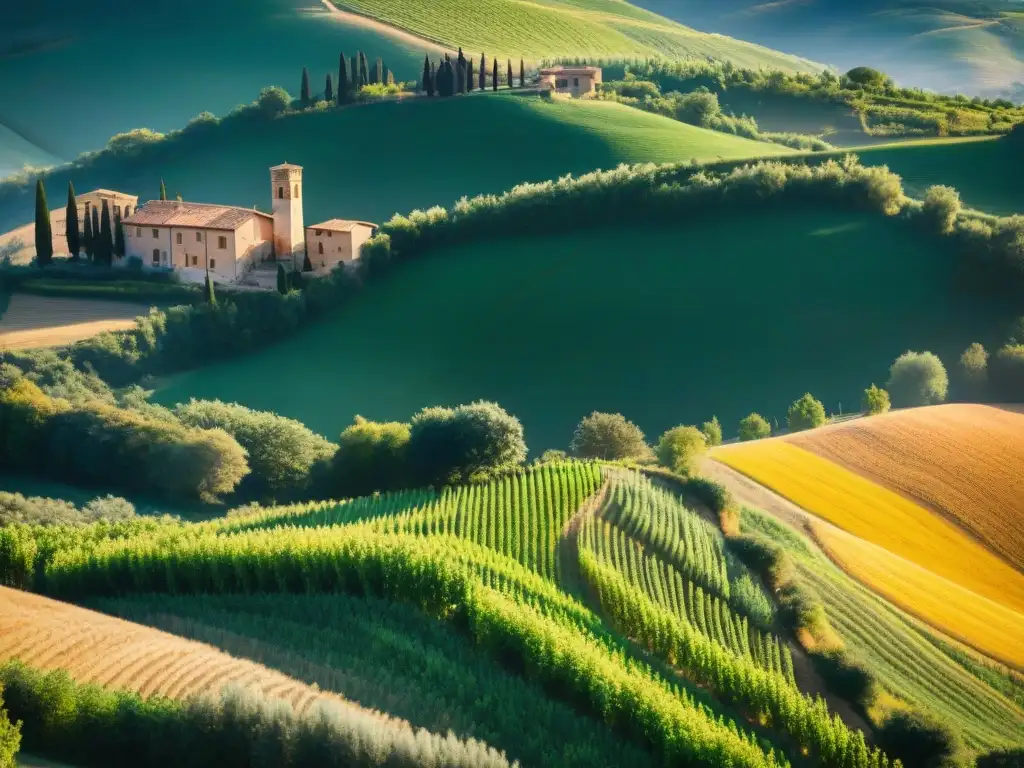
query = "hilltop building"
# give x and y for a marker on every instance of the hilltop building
(575, 81)
(240, 244)
(118, 203)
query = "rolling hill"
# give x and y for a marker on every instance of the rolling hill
(965, 46)
(410, 156)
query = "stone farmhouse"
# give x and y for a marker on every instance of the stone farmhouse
(233, 242)
(574, 81)
(117, 202)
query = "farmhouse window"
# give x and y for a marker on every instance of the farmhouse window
(329, 234)
(320, 249)
(156, 233)
(156, 257)
(563, 83)
(195, 261)
(318, 233)
(127, 211)
(576, 82)
(178, 238)
(222, 241)
(280, 193)
(138, 231)
(199, 237)
(213, 263)
(296, 191)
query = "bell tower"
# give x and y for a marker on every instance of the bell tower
(289, 233)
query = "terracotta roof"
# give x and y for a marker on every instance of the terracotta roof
(285, 167)
(171, 213)
(107, 192)
(340, 225)
(570, 70)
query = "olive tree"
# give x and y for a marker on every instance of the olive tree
(608, 436)
(712, 432)
(805, 413)
(917, 378)
(876, 401)
(942, 205)
(679, 448)
(974, 364)
(754, 427)
(371, 457)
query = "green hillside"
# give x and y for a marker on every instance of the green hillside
(367, 162)
(666, 325)
(549, 28)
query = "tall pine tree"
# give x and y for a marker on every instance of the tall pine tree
(483, 71)
(87, 237)
(378, 71)
(460, 77)
(433, 78)
(354, 76)
(282, 280)
(342, 78)
(428, 81)
(329, 88)
(364, 70)
(469, 75)
(163, 190)
(106, 252)
(44, 232)
(494, 76)
(522, 74)
(95, 255)
(304, 96)
(118, 236)
(211, 296)
(508, 74)
(71, 223)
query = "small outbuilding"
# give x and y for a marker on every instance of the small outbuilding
(336, 241)
(575, 81)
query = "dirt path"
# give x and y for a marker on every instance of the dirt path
(395, 33)
(568, 552)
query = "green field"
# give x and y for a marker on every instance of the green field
(909, 663)
(367, 162)
(667, 326)
(551, 28)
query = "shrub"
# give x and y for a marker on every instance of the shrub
(875, 401)
(919, 740)
(754, 427)
(10, 736)
(679, 448)
(846, 677)
(608, 436)
(371, 457)
(552, 454)
(273, 101)
(942, 206)
(1002, 758)
(1006, 373)
(714, 496)
(806, 413)
(281, 451)
(868, 77)
(35, 510)
(712, 432)
(448, 445)
(764, 557)
(917, 378)
(974, 363)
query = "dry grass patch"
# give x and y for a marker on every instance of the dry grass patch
(45, 321)
(965, 462)
(113, 653)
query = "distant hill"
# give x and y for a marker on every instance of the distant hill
(967, 46)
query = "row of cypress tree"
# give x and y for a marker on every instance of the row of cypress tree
(101, 235)
(353, 74)
(448, 78)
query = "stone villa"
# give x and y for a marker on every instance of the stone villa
(235, 244)
(575, 81)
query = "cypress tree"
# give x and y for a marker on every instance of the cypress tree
(282, 280)
(163, 190)
(522, 74)
(508, 74)
(71, 223)
(329, 88)
(426, 86)
(354, 77)
(307, 265)
(433, 78)
(87, 238)
(469, 75)
(390, 76)
(386, 77)
(379, 70)
(342, 78)
(211, 297)
(106, 249)
(95, 230)
(460, 77)
(304, 93)
(483, 71)
(118, 236)
(44, 232)
(364, 70)
(494, 76)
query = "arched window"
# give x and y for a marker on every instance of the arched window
(127, 211)
(320, 248)
(280, 193)
(296, 191)
(156, 257)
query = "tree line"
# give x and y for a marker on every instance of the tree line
(447, 77)
(353, 75)
(100, 235)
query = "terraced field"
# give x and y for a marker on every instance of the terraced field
(43, 321)
(962, 461)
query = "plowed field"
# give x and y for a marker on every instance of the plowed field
(43, 321)
(113, 653)
(965, 462)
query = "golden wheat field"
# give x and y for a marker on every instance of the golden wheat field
(45, 321)
(989, 627)
(965, 462)
(113, 653)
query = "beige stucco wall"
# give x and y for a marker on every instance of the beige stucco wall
(587, 83)
(140, 242)
(337, 246)
(286, 194)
